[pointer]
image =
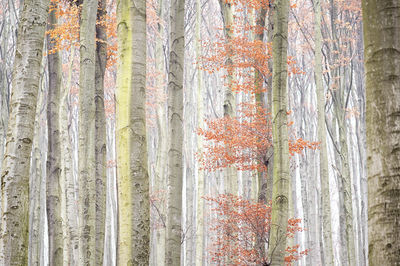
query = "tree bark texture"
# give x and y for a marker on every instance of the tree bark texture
(53, 173)
(87, 135)
(229, 106)
(382, 65)
(175, 115)
(281, 175)
(133, 178)
(100, 131)
(16, 163)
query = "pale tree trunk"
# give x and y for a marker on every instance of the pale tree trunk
(133, 178)
(382, 64)
(162, 144)
(53, 186)
(323, 155)
(36, 206)
(344, 175)
(100, 132)
(229, 107)
(16, 164)
(71, 212)
(175, 130)
(262, 176)
(281, 175)
(87, 132)
(199, 240)
(339, 100)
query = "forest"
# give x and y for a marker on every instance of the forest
(200, 132)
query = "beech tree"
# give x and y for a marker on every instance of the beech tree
(281, 177)
(53, 178)
(258, 98)
(133, 179)
(14, 231)
(382, 46)
(175, 115)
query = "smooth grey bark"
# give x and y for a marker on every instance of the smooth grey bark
(281, 175)
(175, 130)
(53, 171)
(71, 241)
(37, 185)
(133, 178)
(382, 65)
(229, 106)
(100, 131)
(87, 134)
(16, 164)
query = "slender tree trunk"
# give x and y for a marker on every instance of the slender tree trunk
(71, 225)
(87, 134)
(281, 175)
(260, 102)
(382, 64)
(100, 131)
(53, 186)
(16, 164)
(162, 142)
(338, 95)
(230, 173)
(199, 240)
(175, 115)
(36, 206)
(323, 155)
(133, 179)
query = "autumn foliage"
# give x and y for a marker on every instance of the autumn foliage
(242, 141)
(240, 225)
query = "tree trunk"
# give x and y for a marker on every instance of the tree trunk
(87, 134)
(133, 179)
(162, 142)
(37, 188)
(281, 176)
(199, 239)
(229, 107)
(100, 131)
(323, 155)
(382, 64)
(71, 225)
(175, 115)
(16, 164)
(53, 186)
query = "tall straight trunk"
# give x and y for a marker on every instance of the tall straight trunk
(133, 178)
(53, 186)
(382, 64)
(260, 101)
(36, 186)
(71, 240)
(162, 140)
(16, 164)
(339, 112)
(175, 130)
(200, 173)
(323, 155)
(281, 175)
(100, 131)
(87, 133)
(229, 106)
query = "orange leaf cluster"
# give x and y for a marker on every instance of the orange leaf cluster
(66, 33)
(239, 225)
(242, 141)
